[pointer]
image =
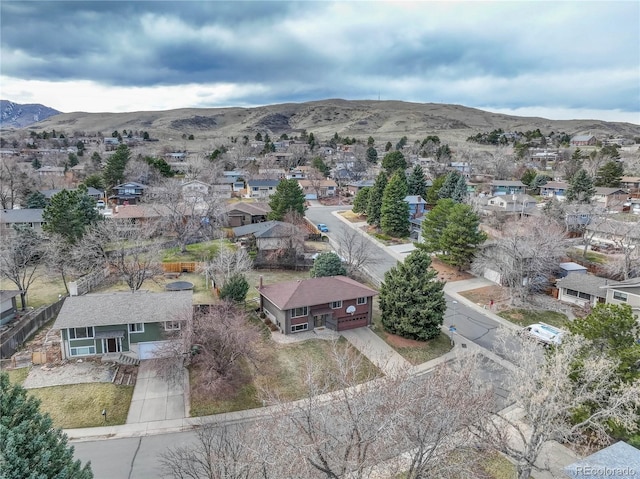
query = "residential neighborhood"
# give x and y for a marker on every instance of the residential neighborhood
(129, 273)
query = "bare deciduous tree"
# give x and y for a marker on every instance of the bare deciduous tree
(19, 259)
(188, 216)
(524, 255)
(356, 249)
(130, 251)
(551, 389)
(226, 263)
(218, 342)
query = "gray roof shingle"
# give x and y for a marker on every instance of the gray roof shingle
(584, 283)
(615, 461)
(105, 309)
(29, 215)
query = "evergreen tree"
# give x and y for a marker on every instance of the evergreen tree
(372, 155)
(361, 201)
(235, 289)
(94, 181)
(371, 141)
(434, 223)
(288, 197)
(327, 264)
(394, 161)
(412, 299)
(36, 200)
(388, 146)
(394, 212)
(581, 188)
(433, 193)
(450, 184)
(416, 183)
(69, 213)
(319, 164)
(36, 163)
(461, 236)
(460, 190)
(73, 160)
(375, 200)
(113, 172)
(30, 447)
(528, 176)
(610, 174)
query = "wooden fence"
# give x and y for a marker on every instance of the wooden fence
(181, 267)
(26, 327)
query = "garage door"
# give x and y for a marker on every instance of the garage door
(352, 322)
(154, 349)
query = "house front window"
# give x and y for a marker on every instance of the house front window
(617, 295)
(81, 333)
(82, 351)
(136, 328)
(299, 327)
(172, 325)
(336, 305)
(361, 301)
(299, 312)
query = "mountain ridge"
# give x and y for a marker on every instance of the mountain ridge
(387, 119)
(18, 115)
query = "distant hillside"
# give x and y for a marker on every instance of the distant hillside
(384, 120)
(16, 115)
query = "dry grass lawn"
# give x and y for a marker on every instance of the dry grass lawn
(352, 217)
(81, 405)
(17, 376)
(43, 291)
(282, 374)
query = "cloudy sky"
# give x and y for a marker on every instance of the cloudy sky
(560, 60)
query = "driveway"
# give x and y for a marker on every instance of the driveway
(154, 398)
(376, 350)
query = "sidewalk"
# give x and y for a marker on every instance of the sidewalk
(376, 350)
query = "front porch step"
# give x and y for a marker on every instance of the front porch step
(120, 358)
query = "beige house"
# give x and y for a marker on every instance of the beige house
(625, 292)
(314, 189)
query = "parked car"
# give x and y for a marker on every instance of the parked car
(323, 228)
(100, 204)
(544, 333)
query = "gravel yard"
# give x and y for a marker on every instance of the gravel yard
(73, 372)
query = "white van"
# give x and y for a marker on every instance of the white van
(545, 333)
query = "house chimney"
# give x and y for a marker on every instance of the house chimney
(260, 287)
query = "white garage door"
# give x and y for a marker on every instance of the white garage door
(154, 349)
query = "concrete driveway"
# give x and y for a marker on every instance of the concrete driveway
(376, 350)
(154, 398)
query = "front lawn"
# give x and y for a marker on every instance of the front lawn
(44, 290)
(525, 317)
(282, 374)
(17, 376)
(352, 217)
(416, 352)
(81, 405)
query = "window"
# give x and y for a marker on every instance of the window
(584, 296)
(361, 301)
(571, 292)
(82, 351)
(81, 333)
(297, 312)
(336, 305)
(136, 328)
(620, 296)
(172, 325)
(299, 327)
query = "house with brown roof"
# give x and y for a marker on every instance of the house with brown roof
(611, 198)
(584, 140)
(630, 183)
(314, 189)
(337, 302)
(241, 213)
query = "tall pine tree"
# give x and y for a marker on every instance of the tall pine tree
(361, 201)
(581, 188)
(30, 447)
(288, 197)
(416, 183)
(394, 213)
(412, 299)
(610, 174)
(461, 236)
(375, 200)
(113, 172)
(448, 188)
(434, 223)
